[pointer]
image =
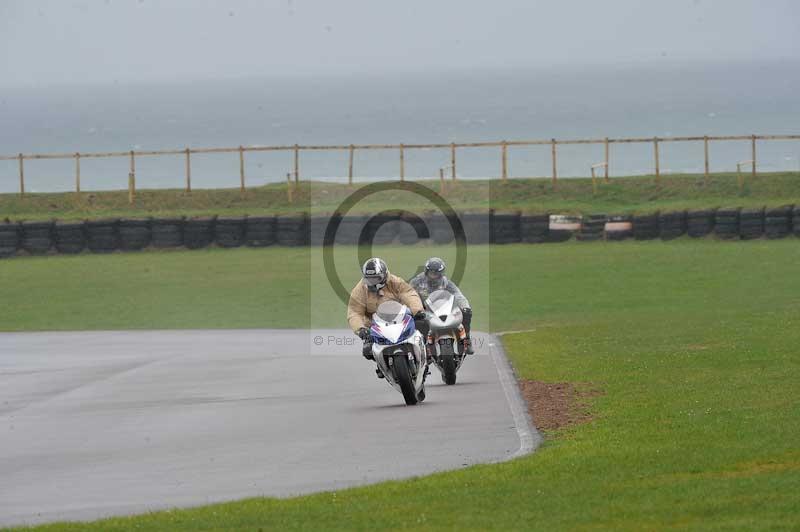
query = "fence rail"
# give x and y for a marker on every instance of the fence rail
(401, 148)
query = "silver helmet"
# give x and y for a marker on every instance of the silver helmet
(375, 273)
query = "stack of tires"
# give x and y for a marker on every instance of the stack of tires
(751, 224)
(504, 228)
(672, 224)
(592, 228)
(259, 231)
(699, 223)
(645, 226)
(70, 237)
(166, 232)
(796, 221)
(229, 232)
(37, 237)
(292, 230)
(476, 227)
(9, 239)
(102, 235)
(134, 235)
(726, 223)
(562, 227)
(619, 227)
(441, 230)
(198, 233)
(778, 222)
(534, 228)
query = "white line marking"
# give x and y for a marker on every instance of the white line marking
(529, 437)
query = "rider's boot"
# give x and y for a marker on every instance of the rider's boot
(466, 343)
(378, 373)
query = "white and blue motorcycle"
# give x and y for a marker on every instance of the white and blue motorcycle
(399, 350)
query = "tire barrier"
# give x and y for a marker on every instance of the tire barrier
(70, 237)
(166, 232)
(726, 223)
(292, 231)
(37, 237)
(534, 228)
(105, 236)
(9, 239)
(134, 235)
(476, 227)
(645, 226)
(778, 222)
(751, 224)
(102, 235)
(229, 232)
(198, 232)
(619, 227)
(699, 223)
(440, 230)
(592, 228)
(672, 224)
(561, 228)
(504, 228)
(260, 231)
(796, 221)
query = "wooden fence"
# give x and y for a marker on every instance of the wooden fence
(401, 149)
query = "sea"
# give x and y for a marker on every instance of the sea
(642, 100)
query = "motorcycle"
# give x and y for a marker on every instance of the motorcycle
(399, 350)
(446, 331)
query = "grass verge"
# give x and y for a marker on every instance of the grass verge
(693, 344)
(573, 195)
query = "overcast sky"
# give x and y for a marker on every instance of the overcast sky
(44, 42)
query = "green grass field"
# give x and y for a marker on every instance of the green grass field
(574, 195)
(693, 345)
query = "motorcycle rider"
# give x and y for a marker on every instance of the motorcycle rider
(432, 278)
(376, 286)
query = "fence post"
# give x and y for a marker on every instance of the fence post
(77, 173)
(241, 170)
(505, 161)
(753, 146)
(21, 176)
(350, 167)
(739, 177)
(594, 182)
(441, 181)
(555, 162)
(188, 171)
(296, 164)
(131, 188)
(289, 187)
(705, 162)
(402, 163)
(453, 159)
(607, 151)
(655, 155)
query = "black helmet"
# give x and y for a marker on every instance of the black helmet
(434, 268)
(375, 273)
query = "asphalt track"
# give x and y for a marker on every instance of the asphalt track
(94, 424)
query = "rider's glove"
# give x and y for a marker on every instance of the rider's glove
(363, 333)
(420, 315)
(466, 311)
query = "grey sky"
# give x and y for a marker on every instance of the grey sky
(46, 42)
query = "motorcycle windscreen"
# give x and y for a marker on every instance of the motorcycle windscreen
(440, 302)
(391, 312)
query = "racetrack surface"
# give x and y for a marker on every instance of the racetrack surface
(95, 424)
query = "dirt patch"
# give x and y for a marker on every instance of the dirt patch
(557, 405)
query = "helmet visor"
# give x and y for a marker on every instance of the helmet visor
(433, 275)
(372, 280)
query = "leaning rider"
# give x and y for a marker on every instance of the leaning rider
(376, 286)
(432, 278)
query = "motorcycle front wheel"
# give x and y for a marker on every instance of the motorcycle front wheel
(402, 374)
(448, 361)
